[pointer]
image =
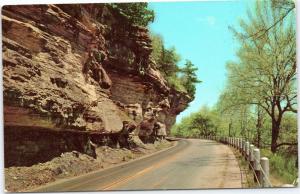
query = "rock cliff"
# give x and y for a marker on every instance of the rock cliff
(80, 69)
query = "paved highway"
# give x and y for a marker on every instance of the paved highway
(191, 164)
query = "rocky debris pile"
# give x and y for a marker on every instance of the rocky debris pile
(69, 164)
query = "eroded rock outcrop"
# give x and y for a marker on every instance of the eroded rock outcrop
(82, 68)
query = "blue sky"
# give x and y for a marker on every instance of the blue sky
(199, 31)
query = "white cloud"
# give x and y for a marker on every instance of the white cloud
(209, 20)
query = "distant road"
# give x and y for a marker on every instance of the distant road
(191, 164)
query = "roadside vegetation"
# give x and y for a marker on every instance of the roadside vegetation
(259, 100)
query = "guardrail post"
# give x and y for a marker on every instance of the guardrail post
(241, 145)
(244, 147)
(265, 175)
(234, 142)
(247, 151)
(251, 159)
(256, 164)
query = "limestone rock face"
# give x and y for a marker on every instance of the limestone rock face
(82, 67)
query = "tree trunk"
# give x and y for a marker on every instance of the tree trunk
(275, 134)
(258, 138)
(258, 127)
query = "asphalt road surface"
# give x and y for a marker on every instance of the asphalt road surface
(191, 164)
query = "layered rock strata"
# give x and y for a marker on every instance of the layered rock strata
(80, 68)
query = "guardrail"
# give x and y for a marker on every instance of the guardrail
(258, 165)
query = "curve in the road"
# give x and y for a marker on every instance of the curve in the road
(191, 164)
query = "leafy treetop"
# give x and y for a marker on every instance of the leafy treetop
(136, 13)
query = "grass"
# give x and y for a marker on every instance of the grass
(282, 166)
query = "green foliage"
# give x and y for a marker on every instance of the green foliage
(136, 13)
(264, 76)
(282, 165)
(175, 82)
(189, 78)
(167, 59)
(197, 124)
(157, 46)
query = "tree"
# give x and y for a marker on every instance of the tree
(236, 118)
(286, 6)
(157, 46)
(189, 78)
(197, 124)
(166, 60)
(136, 13)
(167, 63)
(266, 71)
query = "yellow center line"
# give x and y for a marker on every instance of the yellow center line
(126, 179)
(90, 180)
(123, 180)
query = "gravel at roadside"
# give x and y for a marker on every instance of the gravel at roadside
(72, 164)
